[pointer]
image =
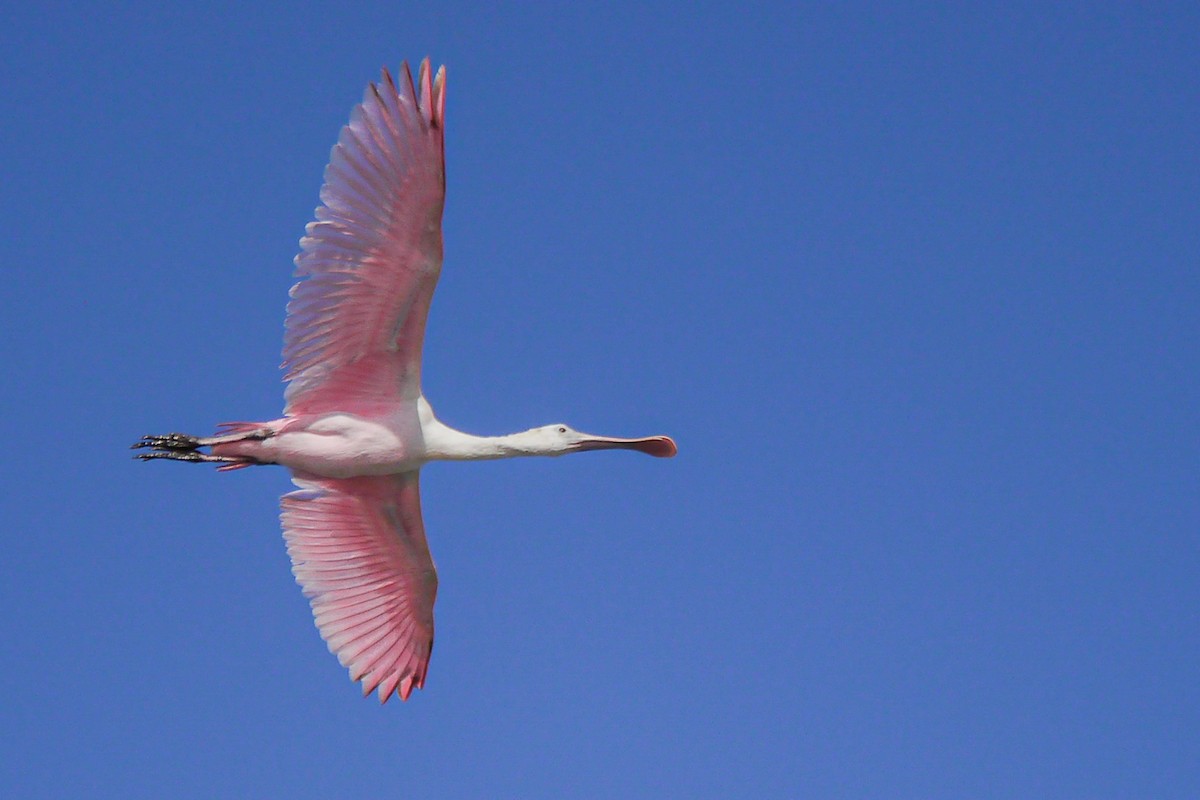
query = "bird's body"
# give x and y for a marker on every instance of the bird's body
(336, 444)
(356, 428)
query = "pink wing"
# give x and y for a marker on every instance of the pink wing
(358, 550)
(370, 261)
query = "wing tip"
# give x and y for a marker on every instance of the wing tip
(439, 97)
(398, 684)
(407, 82)
(386, 78)
(425, 79)
(428, 90)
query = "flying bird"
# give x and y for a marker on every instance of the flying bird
(356, 428)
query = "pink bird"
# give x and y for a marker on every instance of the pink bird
(356, 428)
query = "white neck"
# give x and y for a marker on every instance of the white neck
(443, 443)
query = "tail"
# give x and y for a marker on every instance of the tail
(241, 442)
(226, 428)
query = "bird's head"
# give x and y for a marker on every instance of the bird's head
(561, 438)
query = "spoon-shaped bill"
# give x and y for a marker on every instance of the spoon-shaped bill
(657, 446)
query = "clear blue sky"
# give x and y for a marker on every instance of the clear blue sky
(915, 288)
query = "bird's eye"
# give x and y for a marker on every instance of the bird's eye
(562, 429)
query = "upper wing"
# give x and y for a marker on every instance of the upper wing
(358, 550)
(370, 261)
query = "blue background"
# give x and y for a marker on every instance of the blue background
(914, 287)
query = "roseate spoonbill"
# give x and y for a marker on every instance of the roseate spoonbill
(356, 428)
